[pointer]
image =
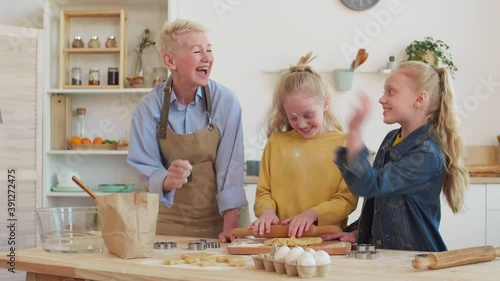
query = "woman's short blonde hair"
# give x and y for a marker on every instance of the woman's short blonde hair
(168, 40)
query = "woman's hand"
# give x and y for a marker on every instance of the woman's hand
(342, 236)
(178, 172)
(300, 223)
(263, 224)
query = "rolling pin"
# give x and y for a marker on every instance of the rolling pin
(452, 258)
(278, 231)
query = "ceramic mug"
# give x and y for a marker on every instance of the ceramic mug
(64, 178)
(252, 167)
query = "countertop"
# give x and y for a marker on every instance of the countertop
(393, 265)
(473, 180)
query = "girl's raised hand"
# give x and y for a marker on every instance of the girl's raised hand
(354, 140)
(263, 224)
(300, 223)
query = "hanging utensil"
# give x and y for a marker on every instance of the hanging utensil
(359, 56)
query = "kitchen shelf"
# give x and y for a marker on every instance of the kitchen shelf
(112, 91)
(88, 152)
(368, 71)
(78, 194)
(66, 54)
(90, 50)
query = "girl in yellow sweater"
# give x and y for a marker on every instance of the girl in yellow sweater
(298, 183)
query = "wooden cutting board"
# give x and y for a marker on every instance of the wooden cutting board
(484, 170)
(256, 246)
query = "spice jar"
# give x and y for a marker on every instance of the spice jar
(94, 42)
(111, 42)
(159, 75)
(113, 75)
(94, 77)
(77, 42)
(76, 76)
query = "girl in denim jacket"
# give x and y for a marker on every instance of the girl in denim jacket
(414, 164)
(299, 185)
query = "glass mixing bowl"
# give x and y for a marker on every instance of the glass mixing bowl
(69, 230)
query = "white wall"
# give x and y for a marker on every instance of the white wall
(250, 36)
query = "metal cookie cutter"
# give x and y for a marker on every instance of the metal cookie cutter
(364, 252)
(165, 245)
(197, 246)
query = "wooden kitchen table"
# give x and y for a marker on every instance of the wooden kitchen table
(393, 265)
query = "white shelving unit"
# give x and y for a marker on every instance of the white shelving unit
(109, 109)
(361, 71)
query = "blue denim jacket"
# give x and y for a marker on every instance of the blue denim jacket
(402, 207)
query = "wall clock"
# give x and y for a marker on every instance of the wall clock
(359, 5)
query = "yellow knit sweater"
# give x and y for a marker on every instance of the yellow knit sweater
(298, 174)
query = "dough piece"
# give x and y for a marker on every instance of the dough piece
(171, 261)
(192, 260)
(221, 258)
(292, 241)
(236, 262)
(207, 263)
(198, 255)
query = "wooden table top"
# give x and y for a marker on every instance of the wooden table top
(393, 265)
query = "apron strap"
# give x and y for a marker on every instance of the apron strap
(167, 90)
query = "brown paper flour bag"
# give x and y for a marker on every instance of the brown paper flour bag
(128, 223)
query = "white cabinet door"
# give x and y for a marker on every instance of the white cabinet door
(467, 228)
(493, 215)
(250, 193)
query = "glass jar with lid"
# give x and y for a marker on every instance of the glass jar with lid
(94, 42)
(113, 74)
(94, 77)
(111, 42)
(76, 76)
(77, 42)
(160, 74)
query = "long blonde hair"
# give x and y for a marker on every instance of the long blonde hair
(297, 78)
(168, 40)
(441, 115)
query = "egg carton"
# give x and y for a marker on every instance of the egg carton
(268, 263)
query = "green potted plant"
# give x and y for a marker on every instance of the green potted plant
(392, 62)
(432, 52)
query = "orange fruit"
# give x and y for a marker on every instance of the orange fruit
(75, 140)
(86, 141)
(98, 140)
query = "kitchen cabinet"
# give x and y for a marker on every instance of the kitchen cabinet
(467, 228)
(108, 108)
(493, 215)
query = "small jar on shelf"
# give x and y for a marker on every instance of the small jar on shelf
(77, 42)
(94, 77)
(111, 42)
(159, 75)
(76, 76)
(94, 42)
(113, 75)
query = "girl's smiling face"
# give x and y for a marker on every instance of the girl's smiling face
(305, 113)
(398, 99)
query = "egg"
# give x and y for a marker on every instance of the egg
(294, 254)
(306, 259)
(321, 257)
(309, 250)
(281, 253)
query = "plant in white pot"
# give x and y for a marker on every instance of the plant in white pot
(433, 52)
